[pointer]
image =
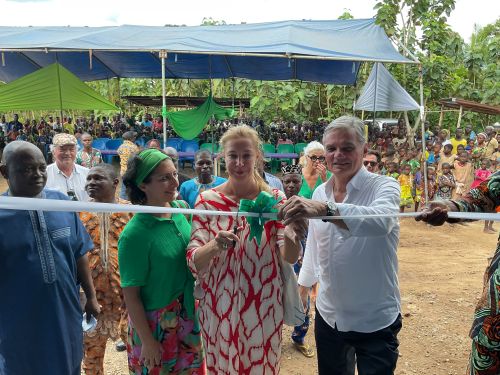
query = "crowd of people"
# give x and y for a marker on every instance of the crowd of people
(41, 132)
(206, 293)
(455, 164)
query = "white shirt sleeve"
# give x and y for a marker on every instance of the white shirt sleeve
(386, 201)
(308, 272)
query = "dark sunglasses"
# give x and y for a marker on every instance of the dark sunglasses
(317, 158)
(372, 163)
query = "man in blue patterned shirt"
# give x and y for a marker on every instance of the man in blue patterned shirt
(44, 260)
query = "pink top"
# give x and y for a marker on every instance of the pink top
(480, 176)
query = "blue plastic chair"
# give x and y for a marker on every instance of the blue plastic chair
(141, 142)
(100, 143)
(188, 146)
(102, 139)
(175, 143)
(112, 144)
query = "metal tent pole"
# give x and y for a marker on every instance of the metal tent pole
(59, 90)
(375, 95)
(422, 126)
(163, 56)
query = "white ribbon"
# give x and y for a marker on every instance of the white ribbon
(31, 204)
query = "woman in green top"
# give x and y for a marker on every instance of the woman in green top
(314, 172)
(164, 334)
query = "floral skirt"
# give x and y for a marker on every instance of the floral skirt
(180, 338)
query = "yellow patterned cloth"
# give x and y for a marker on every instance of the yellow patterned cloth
(125, 151)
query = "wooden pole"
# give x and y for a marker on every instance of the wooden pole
(441, 117)
(460, 117)
(422, 129)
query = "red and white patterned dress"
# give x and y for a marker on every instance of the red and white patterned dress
(240, 292)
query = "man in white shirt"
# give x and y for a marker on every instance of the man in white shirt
(64, 175)
(354, 260)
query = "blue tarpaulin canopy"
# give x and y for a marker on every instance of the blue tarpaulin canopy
(318, 51)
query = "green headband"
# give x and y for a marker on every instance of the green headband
(149, 160)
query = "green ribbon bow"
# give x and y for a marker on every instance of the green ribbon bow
(263, 204)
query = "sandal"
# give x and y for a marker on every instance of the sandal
(304, 349)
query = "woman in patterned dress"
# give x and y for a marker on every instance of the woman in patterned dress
(239, 279)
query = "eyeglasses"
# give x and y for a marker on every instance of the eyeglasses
(372, 163)
(317, 158)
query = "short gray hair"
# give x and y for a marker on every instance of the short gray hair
(348, 123)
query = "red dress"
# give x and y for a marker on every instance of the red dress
(240, 292)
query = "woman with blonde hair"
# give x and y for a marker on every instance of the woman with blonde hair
(238, 269)
(314, 172)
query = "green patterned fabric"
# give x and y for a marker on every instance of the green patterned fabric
(485, 331)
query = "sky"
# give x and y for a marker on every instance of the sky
(161, 12)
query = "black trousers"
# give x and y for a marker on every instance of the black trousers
(376, 352)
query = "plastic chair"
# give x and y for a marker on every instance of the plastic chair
(285, 149)
(188, 146)
(176, 143)
(102, 139)
(210, 147)
(141, 142)
(299, 147)
(269, 148)
(100, 143)
(112, 144)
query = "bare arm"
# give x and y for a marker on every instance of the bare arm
(296, 208)
(293, 234)
(151, 348)
(85, 278)
(205, 253)
(437, 212)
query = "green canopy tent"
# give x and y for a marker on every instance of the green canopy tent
(51, 88)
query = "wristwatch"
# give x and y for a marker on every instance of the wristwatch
(331, 209)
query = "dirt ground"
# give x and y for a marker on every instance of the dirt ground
(441, 278)
(440, 274)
